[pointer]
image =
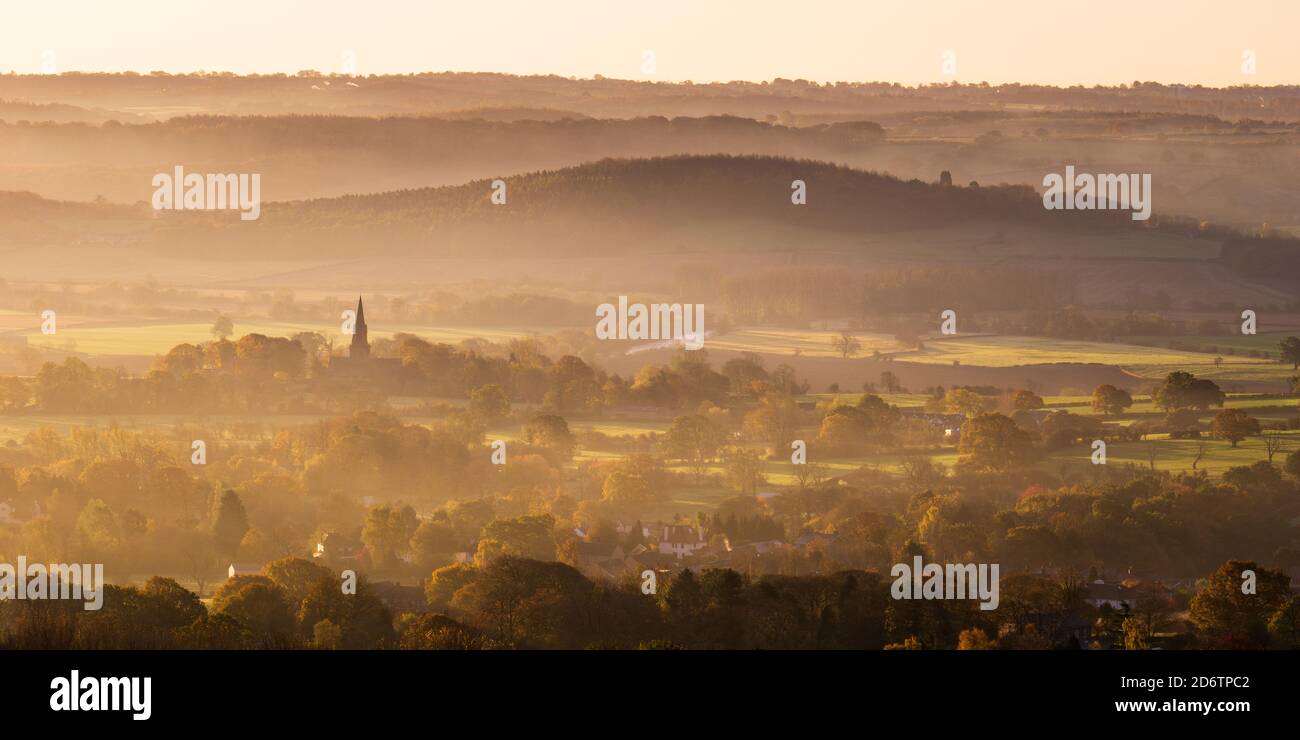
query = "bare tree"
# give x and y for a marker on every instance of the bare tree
(809, 475)
(1272, 444)
(1202, 446)
(846, 344)
(200, 557)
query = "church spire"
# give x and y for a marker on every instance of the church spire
(360, 342)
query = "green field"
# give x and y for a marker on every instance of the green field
(1150, 360)
(1220, 344)
(1146, 362)
(1179, 454)
(850, 396)
(610, 428)
(809, 343)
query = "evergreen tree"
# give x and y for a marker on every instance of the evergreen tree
(230, 525)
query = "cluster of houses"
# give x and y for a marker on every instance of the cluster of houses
(666, 548)
(949, 424)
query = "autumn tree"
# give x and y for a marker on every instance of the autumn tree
(1290, 348)
(1182, 390)
(1284, 625)
(1229, 618)
(526, 536)
(695, 439)
(627, 487)
(387, 533)
(1108, 400)
(446, 581)
(551, 432)
(774, 421)
(744, 469)
(966, 402)
(259, 605)
(1025, 400)
(489, 402)
(994, 442)
(1234, 425)
(296, 577)
(362, 619)
(165, 605)
(975, 639)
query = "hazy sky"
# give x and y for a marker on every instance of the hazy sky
(1045, 41)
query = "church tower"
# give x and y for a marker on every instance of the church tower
(360, 344)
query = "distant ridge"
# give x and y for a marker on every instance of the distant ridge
(596, 206)
(719, 203)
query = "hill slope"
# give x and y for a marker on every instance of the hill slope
(620, 204)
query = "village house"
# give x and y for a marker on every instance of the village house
(1114, 595)
(338, 549)
(949, 424)
(679, 540)
(602, 559)
(243, 569)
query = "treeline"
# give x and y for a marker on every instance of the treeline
(292, 604)
(294, 375)
(425, 141)
(313, 91)
(520, 603)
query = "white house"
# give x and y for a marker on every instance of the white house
(243, 569)
(681, 539)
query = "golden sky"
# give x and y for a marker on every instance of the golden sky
(1041, 41)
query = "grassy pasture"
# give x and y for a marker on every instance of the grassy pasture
(809, 343)
(1221, 344)
(1146, 362)
(849, 396)
(1009, 351)
(1179, 454)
